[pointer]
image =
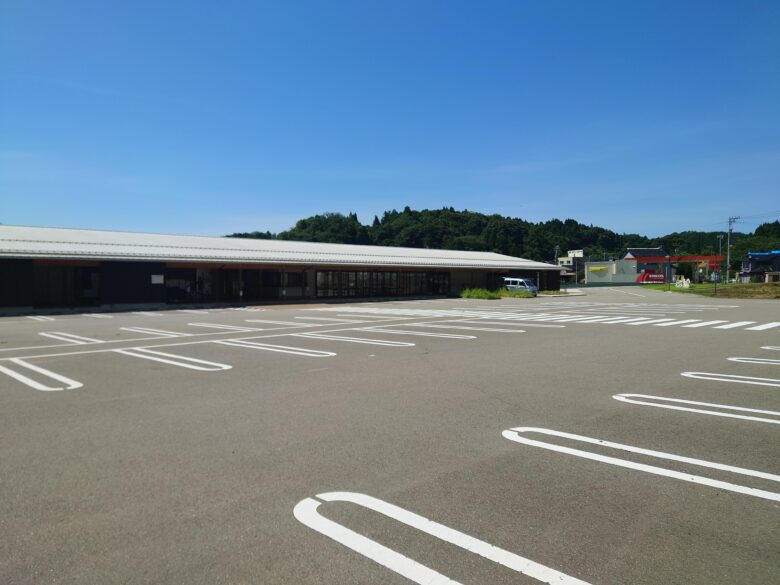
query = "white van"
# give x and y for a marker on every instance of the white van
(524, 284)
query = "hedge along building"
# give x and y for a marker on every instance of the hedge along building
(59, 267)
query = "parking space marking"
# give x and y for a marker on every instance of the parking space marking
(148, 313)
(221, 327)
(97, 316)
(765, 326)
(734, 325)
(40, 318)
(753, 360)
(155, 332)
(420, 333)
(522, 323)
(704, 324)
(677, 322)
(732, 378)
(383, 342)
(652, 322)
(465, 327)
(775, 348)
(515, 434)
(302, 351)
(174, 360)
(333, 320)
(287, 323)
(193, 311)
(68, 384)
(69, 337)
(632, 399)
(306, 512)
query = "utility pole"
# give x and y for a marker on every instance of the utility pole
(728, 247)
(720, 253)
(557, 248)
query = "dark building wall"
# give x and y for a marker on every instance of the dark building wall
(16, 283)
(131, 282)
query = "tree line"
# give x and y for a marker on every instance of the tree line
(468, 230)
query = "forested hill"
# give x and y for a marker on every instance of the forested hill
(468, 230)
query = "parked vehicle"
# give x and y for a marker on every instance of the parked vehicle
(523, 284)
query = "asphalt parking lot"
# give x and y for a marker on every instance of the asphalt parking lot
(625, 436)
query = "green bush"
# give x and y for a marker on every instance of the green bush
(479, 293)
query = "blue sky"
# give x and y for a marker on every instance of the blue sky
(215, 117)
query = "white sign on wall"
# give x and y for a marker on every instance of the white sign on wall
(158, 279)
(575, 253)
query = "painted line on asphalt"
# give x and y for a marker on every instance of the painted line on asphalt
(302, 351)
(306, 512)
(625, 292)
(512, 323)
(288, 323)
(772, 347)
(732, 378)
(222, 327)
(40, 318)
(193, 311)
(420, 333)
(148, 314)
(464, 327)
(96, 316)
(632, 399)
(754, 360)
(68, 384)
(383, 342)
(155, 332)
(679, 322)
(174, 360)
(764, 327)
(69, 337)
(652, 322)
(734, 325)
(515, 434)
(704, 324)
(333, 320)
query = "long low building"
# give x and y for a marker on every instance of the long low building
(61, 267)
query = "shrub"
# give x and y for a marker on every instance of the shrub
(479, 293)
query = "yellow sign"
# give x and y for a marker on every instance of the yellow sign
(597, 269)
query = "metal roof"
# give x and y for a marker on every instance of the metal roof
(66, 243)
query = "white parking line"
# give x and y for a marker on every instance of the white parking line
(288, 323)
(465, 327)
(732, 378)
(155, 332)
(96, 316)
(734, 325)
(775, 348)
(515, 434)
(703, 324)
(332, 320)
(676, 322)
(275, 348)
(68, 383)
(221, 327)
(752, 360)
(69, 337)
(306, 513)
(625, 292)
(653, 321)
(382, 342)
(193, 311)
(631, 398)
(40, 318)
(174, 360)
(148, 313)
(764, 327)
(420, 333)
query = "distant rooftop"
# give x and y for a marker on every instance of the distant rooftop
(645, 253)
(67, 243)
